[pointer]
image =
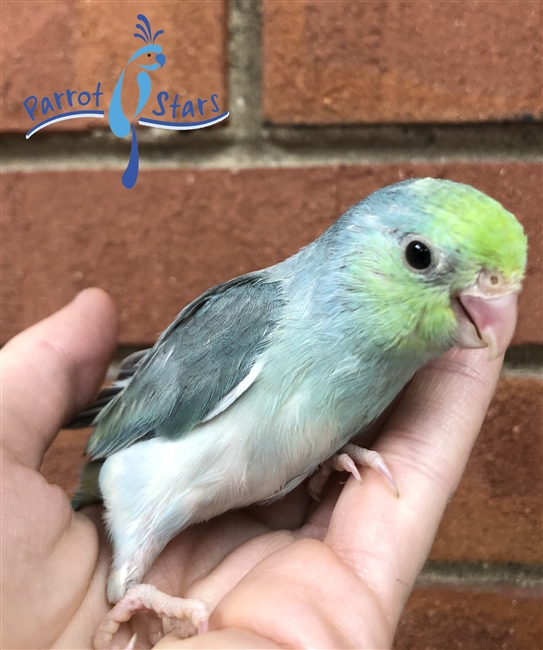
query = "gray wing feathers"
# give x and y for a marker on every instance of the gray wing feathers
(198, 361)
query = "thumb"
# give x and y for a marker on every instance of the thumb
(51, 370)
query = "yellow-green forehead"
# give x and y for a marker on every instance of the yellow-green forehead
(475, 225)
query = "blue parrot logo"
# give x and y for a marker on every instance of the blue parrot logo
(69, 103)
(118, 122)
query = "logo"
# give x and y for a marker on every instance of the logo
(147, 63)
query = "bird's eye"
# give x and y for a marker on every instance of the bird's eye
(417, 255)
(149, 54)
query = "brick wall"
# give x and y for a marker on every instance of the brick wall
(328, 101)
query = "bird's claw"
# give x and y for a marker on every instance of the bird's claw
(132, 643)
(188, 616)
(346, 460)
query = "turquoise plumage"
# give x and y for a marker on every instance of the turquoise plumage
(263, 378)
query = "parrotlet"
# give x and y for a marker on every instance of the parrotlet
(264, 378)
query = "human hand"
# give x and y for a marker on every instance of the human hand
(292, 574)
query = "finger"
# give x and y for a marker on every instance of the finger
(222, 639)
(51, 370)
(426, 444)
(302, 596)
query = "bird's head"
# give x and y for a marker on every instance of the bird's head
(440, 263)
(149, 57)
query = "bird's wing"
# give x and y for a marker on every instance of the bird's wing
(199, 366)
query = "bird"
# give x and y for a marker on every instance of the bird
(263, 381)
(119, 124)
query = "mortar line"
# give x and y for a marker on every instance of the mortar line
(240, 156)
(245, 70)
(524, 360)
(481, 575)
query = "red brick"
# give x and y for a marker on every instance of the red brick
(176, 233)
(471, 619)
(48, 47)
(496, 514)
(155, 247)
(390, 61)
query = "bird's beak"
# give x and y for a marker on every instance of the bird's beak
(485, 319)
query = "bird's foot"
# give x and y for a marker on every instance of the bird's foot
(188, 616)
(346, 460)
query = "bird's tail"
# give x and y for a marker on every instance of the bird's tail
(88, 490)
(130, 175)
(106, 395)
